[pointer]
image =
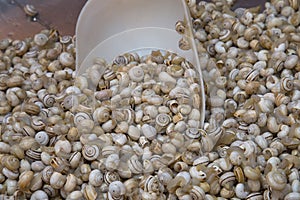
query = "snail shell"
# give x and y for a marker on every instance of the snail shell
(197, 193)
(112, 162)
(25, 179)
(252, 173)
(36, 182)
(75, 195)
(40, 39)
(80, 116)
(42, 137)
(96, 178)
(136, 74)
(197, 174)
(276, 180)
(109, 125)
(75, 159)
(37, 166)
(135, 165)
(66, 59)
(47, 173)
(71, 183)
(62, 146)
(37, 123)
(39, 194)
(59, 164)
(193, 133)
(89, 192)
(90, 152)
(110, 177)
(162, 120)
(116, 190)
(57, 180)
(11, 162)
(227, 180)
(149, 131)
(134, 132)
(51, 192)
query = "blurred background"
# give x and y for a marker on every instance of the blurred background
(56, 14)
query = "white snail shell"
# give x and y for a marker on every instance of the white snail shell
(116, 189)
(96, 177)
(136, 74)
(42, 137)
(90, 152)
(149, 131)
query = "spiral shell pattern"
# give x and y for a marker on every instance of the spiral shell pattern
(90, 152)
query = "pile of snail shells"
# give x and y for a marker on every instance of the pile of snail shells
(250, 63)
(101, 135)
(121, 131)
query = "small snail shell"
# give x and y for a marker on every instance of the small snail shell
(75, 195)
(136, 74)
(25, 179)
(276, 180)
(39, 194)
(252, 173)
(135, 165)
(47, 173)
(62, 146)
(240, 191)
(89, 192)
(75, 159)
(10, 174)
(11, 162)
(119, 139)
(57, 180)
(37, 166)
(292, 196)
(149, 131)
(166, 77)
(42, 137)
(227, 180)
(96, 177)
(254, 185)
(90, 152)
(193, 133)
(40, 39)
(112, 162)
(110, 177)
(71, 183)
(162, 120)
(109, 125)
(36, 182)
(225, 193)
(116, 190)
(66, 59)
(197, 174)
(11, 186)
(134, 132)
(37, 123)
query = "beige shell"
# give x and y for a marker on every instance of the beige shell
(89, 192)
(24, 180)
(57, 180)
(71, 183)
(276, 180)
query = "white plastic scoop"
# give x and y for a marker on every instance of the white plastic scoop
(108, 28)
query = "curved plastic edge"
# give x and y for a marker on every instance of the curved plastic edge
(197, 64)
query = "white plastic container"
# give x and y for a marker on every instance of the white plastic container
(108, 28)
